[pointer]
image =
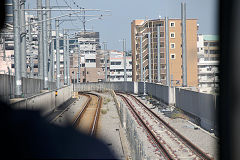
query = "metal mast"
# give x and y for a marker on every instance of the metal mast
(23, 39)
(17, 67)
(184, 54)
(167, 50)
(40, 40)
(57, 54)
(45, 51)
(149, 58)
(158, 55)
(64, 56)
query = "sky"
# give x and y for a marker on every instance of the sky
(118, 26)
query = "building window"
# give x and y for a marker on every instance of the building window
(161, 34)
(172, 35)
(161, 55)
(172, 24)
(115, 63)
(205, 43)
(160, 24)
(161, 44)
(172, 45)
(173, 56)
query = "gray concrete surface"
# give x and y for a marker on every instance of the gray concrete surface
(45, 102)
(200, 105)
(109, 126)
(30, 87)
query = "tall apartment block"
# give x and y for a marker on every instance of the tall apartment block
(147, 30)
(208, 61)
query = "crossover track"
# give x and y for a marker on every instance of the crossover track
(172, 144)
(89, 114)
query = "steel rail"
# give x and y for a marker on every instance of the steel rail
(166, 154)
(189, 144)
(96, 116)
(94, 124)
(76, 120)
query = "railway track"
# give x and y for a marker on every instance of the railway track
(87, 118)
(171, 143)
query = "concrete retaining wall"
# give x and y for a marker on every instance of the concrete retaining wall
(100, 86)
(45, 102)
(30, 87)
(158, 91)
(198, 104)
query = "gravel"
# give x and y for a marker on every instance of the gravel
(109, 125)
(198, 136)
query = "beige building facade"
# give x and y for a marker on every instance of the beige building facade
(142, 28)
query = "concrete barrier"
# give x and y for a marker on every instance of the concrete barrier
(200, 105)
(101, 86)
(44, 102)
(30, 87)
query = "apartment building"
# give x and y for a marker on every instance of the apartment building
(101, 57)
(208, 61)
(117, 66)
(141, 28)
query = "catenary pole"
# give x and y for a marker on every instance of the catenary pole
(158, 55)
(45, 52)
(17, 65)
(105, 59)
(149, 58)
(141, 59)
(167, 51)
(64, 56)
(57, 54)
(30, 48)
(40, 40)
(49, 32)
(23, 39)
(79, 62)
(68, 62)
(124, 54)
(184, 54)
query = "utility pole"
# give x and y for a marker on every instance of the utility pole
(45, 51)
(167, 50)
(17, 65)
(23, 38)
(57, 54)
(158, 55)
(40, 39)
(124, 55)
(30, 48)
(184, 54)
(149, 58)
(64, 56)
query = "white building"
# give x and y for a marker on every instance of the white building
(117, 66)
(208, 61)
